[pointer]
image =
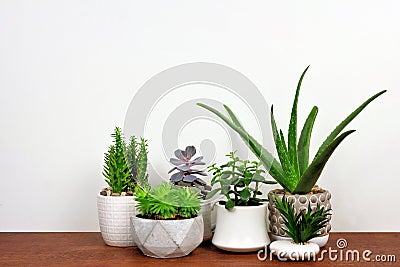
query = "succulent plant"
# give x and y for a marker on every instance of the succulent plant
(292, 170)
(167, 201)
(239, 180)
(116, 170)
(136, 156)
(185, 174)
(304, 225)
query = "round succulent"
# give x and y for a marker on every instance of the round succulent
(186, 175)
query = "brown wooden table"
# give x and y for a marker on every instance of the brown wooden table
(88, 249)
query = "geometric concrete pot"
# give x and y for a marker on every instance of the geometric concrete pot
(167, 238)
(114, 219)
(300, 202)
(241, 229)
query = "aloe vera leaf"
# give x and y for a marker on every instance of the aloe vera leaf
(303, 147)
(313, 172)
(270, 158)
(292, 131)
(266, 158)
(283, 155)
(344, 123)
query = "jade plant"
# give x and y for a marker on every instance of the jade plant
(239, 182)
(167, 202)
(184, 172)
(293, 170)
(125, 165)
(304, 225)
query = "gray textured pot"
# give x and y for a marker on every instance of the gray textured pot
(167, 238)
(301, 202)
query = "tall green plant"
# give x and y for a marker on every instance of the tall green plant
(136, 157)
(116, 170)
(293, 171)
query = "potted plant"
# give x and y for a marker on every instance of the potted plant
(124, 168)
(186, 174)
(168, 225)
(241, 217)
(292, 170)
(302, 226)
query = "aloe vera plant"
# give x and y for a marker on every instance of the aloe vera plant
(292, 170)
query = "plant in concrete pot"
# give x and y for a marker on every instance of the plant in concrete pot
(168, 225)
(293, 170)
(186, 173)
(241, 218)
(302, 226)
(115, 204)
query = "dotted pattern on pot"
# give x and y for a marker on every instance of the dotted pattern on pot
(114, 219)
(276, 224)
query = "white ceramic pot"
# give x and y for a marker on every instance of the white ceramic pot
(167, 238)
(114, 219)
(288, 250)
(241, 229)
(319, 240)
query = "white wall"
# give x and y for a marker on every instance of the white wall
(69, 69)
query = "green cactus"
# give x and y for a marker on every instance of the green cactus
(116, 170)
(136, 156)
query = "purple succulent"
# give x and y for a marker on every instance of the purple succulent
(186, 174)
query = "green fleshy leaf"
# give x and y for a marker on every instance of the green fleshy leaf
(312, 173)
(303, 147)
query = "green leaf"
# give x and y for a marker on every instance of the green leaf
(283, 155)
(212, 193)
(312, 173)
(229, 204)
(344, 123)
(303, 147)
(292, 135)
(266, 158)
(245, 194)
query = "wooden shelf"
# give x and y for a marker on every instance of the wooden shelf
(88, 249)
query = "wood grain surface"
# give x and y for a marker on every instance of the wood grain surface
(88, 249)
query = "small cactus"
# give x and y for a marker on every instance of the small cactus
(136, 155)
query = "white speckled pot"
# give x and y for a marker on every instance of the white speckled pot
(167, 238)
(114, 219)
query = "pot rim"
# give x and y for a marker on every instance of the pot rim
(180, 220)
(290, 194)
(263, 204)
(133, 197)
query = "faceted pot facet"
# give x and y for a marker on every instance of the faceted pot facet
(167, 238)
